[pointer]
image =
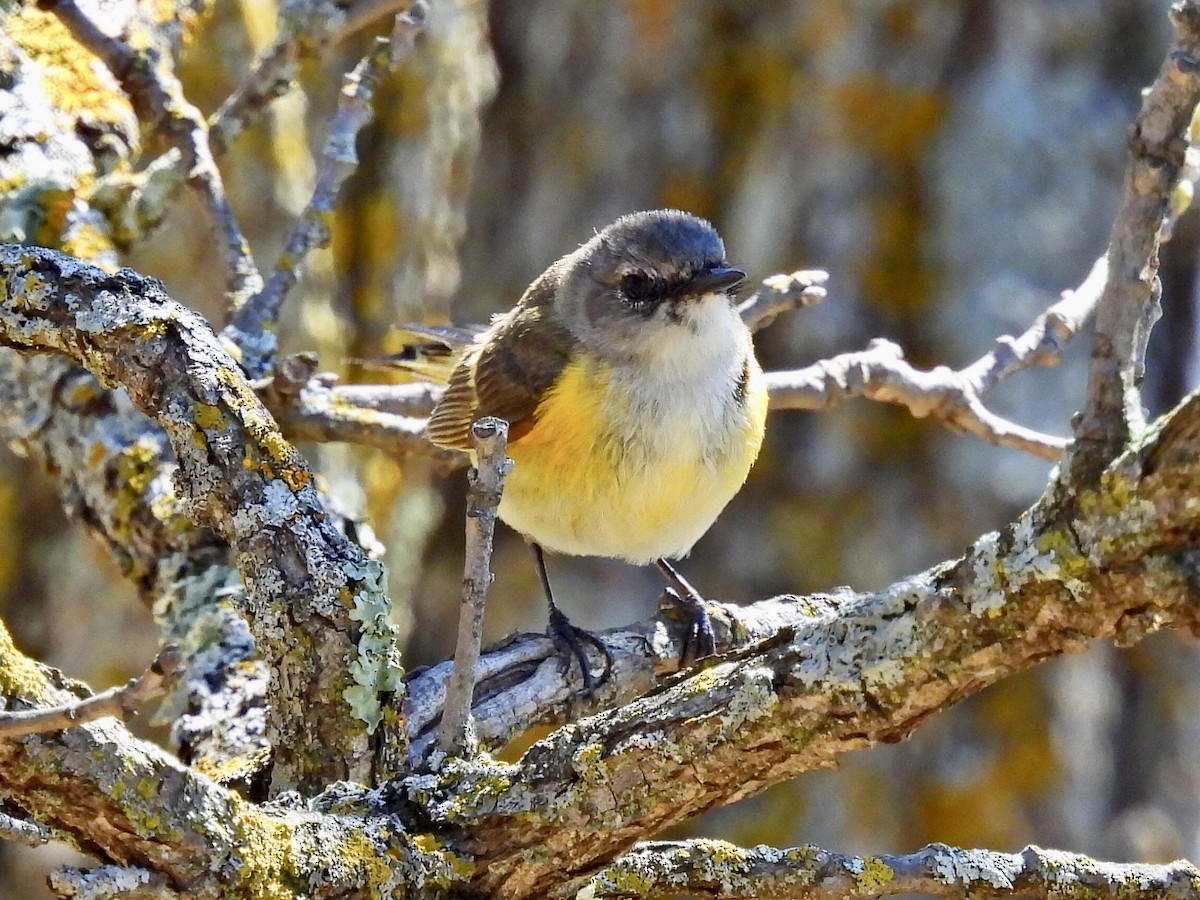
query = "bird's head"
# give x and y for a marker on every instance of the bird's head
(649, 278)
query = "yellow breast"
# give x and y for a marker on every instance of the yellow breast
(624, 465)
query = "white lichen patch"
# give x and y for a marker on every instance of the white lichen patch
(985, 595)
(105, 312)
(969, 866)
(1035, 558)
(279, 503)
(813, 648)
(753, 698)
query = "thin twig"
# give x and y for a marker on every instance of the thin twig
(783, 293)
(489, 437)
(309, 26)
(1042, 343)
(881, 373)
(387, 417)
(121, 702)
(158, 98)
(250, 325)
(954, 397)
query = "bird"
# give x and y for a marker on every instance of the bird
(635, 404)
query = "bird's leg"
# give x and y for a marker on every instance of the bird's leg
(700, 637)
(567, 637)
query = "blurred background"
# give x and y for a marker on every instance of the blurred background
(954, 165)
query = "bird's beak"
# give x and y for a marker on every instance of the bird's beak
(715, 281)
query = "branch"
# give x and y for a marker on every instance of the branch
(878, 373)
(489, 437)
(127, 801)
(783, 293)
(718, 869)
(252, 326)
(312, 595)
(1129, 303)
(388, 417)
(1041, 344)
(953, 397)
(839, 674)
(158, 98)
(308, 26)
(121, 702)
(881, 373)
(22, 831)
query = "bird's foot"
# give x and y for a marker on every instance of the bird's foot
(699, 640)
(571, 639)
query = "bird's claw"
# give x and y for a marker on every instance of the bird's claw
(570, 640)
(699, 640)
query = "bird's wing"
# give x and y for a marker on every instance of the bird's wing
(453, 336)
(432, 356)
(505, 373)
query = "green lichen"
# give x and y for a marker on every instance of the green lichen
(20, 676)
(267, 859)
(875, 873)
(376, 670)
(210, 418)
(137, 466)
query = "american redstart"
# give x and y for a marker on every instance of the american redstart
(635, 404)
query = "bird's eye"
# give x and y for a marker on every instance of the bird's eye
(638, 288)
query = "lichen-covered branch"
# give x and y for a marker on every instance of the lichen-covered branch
(1129, 302)
(1116, 562)
(173, 830)
(835, 673)
(316, 604)
(721, 870)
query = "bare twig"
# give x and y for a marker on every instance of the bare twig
(248, 326)
(304, 26)
(368, 415)
(416, 399)
(716, 868)
(489, 437)
(158, 98)
(121, 702)
(954, 397)
(881, 373)
(1129, 303)
(1041, 344)
(783, 293)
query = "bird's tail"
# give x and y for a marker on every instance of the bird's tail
(432, 354)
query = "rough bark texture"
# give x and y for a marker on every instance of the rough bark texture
(316, 604)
